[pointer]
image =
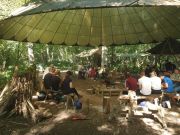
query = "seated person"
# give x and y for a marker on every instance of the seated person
(67, 85)
(167, 83)
(169, 66)
(155, 83)
(81, 72)
(56, 81)
(144, 85)
(105, 72)
(109, 81)
(131, 82)
(47, 80)
(176, 80)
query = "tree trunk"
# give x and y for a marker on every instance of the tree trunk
(104, 50)
(48, 54)
(30, 53)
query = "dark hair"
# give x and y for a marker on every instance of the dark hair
(127, 75)
(161, 74)
(68, 74)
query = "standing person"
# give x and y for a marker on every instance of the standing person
(131, 82)
(144, 84)
(155, 83)
(67, 85)
(167, 83)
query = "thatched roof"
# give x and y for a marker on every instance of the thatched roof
(94, 22)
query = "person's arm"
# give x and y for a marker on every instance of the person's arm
(71, 84)
(139, 84)
(126, 85)
(164, 85)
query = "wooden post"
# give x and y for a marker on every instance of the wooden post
(133, 103)
(87, 106)
(106, 104)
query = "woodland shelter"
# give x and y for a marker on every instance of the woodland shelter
(94, 22)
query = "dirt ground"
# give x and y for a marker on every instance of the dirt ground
(95, 122)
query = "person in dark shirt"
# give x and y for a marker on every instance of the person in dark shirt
(56, 81)
(170, 66)
(67, 86)
(48, 78)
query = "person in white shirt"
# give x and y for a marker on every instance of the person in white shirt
(144, 84)
(155, 83)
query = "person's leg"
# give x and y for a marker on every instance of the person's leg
(176, 86)
(177, 89)
(75, 91)
(138, 92)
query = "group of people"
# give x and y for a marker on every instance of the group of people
(153, 83)
(92, 72)
(53, 82)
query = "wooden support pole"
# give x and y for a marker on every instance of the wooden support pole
(106, 104)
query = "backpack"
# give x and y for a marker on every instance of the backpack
(78, 104)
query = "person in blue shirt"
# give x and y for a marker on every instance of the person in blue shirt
(167, 84)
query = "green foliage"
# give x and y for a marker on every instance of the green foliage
(4, 77)
(61, 56)
(12, 53)
(129, 57)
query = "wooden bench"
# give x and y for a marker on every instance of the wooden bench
(110, 91)
(91, 91)
(132, 99)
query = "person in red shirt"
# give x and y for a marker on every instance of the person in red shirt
(92, 73)
(131, 83)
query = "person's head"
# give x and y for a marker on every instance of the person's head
(142, 73)
(167, 73)
(52, 69)
(57, 72)
(127, 75)
(161, 75)
(68, 74)
(176, 71)
(153, 73)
